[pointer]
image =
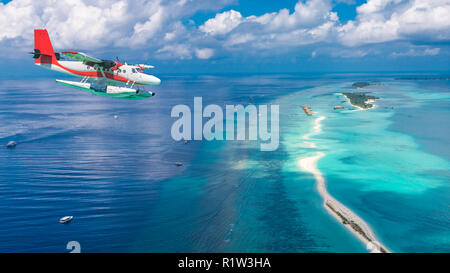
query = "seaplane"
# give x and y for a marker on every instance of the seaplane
(100, 77)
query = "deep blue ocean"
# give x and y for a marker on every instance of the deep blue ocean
(118, 177)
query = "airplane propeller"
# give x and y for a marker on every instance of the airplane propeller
(58, 56)
(37, 54)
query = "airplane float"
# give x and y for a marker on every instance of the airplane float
(99, 77)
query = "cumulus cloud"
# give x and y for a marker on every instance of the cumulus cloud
(163, 28)
(204, 53)
(222, 23)
(142, 32)
(306, 14)
(372, 7)
(311, 21)
(388, 20)
(70, 22)
(87, 25)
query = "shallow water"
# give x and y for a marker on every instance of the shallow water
(392, 177)
(119, 181)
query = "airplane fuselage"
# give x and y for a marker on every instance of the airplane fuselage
(125, 74)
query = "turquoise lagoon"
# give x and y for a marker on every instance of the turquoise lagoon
(384, 175)
(261, 201)
(390, 165)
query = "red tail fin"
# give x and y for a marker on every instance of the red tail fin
(44, 47)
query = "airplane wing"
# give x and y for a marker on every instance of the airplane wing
(146, 66)
(80, 56)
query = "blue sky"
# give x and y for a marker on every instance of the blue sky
(221, 36)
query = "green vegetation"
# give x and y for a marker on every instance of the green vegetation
(360, 99)
(354, 226)
(345, 221)
(361, 84)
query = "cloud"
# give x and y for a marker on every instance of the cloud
(312, 21)
(90, 25)
(204, 53)
(353, 53)
(418, 52)
(239, 38)
(306, 14)
(375, 6)
(69, 22)
(142, 32)
(164, 28)
(389, 20)
(178, 51)
(222, 23)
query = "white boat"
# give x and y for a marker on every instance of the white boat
(65, 219)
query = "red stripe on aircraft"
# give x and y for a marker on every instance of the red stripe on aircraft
(96, 74)
(70, 51)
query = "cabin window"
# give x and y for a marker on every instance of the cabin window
(133, 70)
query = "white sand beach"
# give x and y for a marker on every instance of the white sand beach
(317, 128)
(343, 214)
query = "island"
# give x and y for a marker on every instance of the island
(307, 110)
(360, 99)
(339, 211)
(355, 223)
(361, 84)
